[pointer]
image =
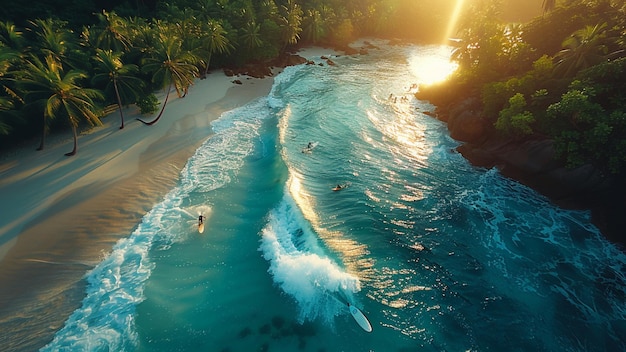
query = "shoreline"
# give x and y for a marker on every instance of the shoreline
(62, 215)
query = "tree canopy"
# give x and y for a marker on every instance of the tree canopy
(560, 76)
(126, 50)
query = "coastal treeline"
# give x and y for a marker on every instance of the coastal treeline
(546, 102)
(67, 64)
(562, 76)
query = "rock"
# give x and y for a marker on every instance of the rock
(237, 81)
(468, 126)
(533, 163)
(264, 69)
(466, 123)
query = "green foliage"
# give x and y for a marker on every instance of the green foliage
(148, 104)
(489, 50)
(575, 90)
(545, 34)
(515, 120)
(586, 47)
(542, 68)
(172, 42)
(495, 95)
(586, 133)
(608, 81)
(343, 33)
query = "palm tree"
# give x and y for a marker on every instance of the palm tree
(170, 66)
(11, 36)
(314, 26)
(5, 105)
(584, 48)
(59, 94)
(52, 38)
(8, 57)
(291, 23)
(111, 33)
(548, 5)
(215, 41)
(118, 77)
(143, 38)
(251, 35)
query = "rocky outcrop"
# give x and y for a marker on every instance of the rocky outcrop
(465, 122)
(534, 163)
(264, 69)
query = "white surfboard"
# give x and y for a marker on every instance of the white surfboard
(201, 228)
(360, 318)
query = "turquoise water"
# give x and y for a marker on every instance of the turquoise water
(440, 255)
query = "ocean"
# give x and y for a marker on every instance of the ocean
(438, 254)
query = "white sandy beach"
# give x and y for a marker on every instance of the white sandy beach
(60, 215)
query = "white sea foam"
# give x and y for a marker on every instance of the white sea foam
(106, 319)
(300, 267)
(115, 286)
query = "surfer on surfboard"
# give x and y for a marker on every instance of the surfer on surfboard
(201, 219)
(309, 147)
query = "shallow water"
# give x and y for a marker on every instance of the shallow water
(438, 254)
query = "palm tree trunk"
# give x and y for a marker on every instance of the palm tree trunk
(119, 101)
(73, 152)
(206, 69)
(162, 108)
(43, 134)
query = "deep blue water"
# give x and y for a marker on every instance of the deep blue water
(440, 255)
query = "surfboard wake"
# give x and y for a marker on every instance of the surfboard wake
(300, 266)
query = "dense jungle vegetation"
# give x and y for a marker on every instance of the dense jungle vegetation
(562, 76)
(67, 63)
(545, 101)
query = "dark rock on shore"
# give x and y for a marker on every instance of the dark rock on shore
(465, 122)
(264, 69)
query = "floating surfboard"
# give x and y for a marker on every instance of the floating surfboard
(360, 318)
(201, 228)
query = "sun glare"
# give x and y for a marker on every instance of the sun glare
(433, 68)
(454, 19)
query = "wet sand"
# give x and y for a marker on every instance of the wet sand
(60, 216)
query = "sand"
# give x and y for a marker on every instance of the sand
(59, 215)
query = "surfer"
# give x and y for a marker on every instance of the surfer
(201, 219)
(338, 188)
(309, 147)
